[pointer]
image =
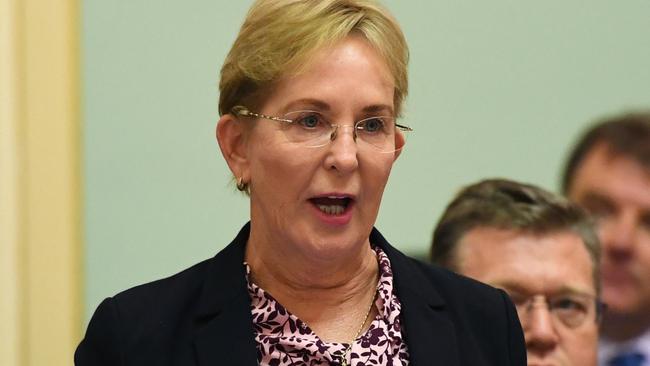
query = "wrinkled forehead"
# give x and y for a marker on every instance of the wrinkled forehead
(528, 262)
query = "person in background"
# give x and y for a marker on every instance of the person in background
(311, 93)
(538, 247)
(608, 173)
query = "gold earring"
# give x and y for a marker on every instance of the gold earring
(241, 185)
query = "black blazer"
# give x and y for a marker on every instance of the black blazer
(202, 316)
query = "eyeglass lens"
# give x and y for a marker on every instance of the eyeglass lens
(569, 310)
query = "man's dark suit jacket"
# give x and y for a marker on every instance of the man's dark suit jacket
(202, 316)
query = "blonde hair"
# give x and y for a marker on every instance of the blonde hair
(279, 36)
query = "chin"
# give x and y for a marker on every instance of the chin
(532, 361)
(335, 246)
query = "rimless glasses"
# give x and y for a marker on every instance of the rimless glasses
(314, 129)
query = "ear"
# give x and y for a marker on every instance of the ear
(399, 144)
(231, 135)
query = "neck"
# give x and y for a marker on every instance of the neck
(325, 293)
(621, 328)
(338, 278)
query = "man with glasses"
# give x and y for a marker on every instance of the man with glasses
(608, 173)
(542, 250)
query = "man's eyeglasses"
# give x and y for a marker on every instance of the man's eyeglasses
(313, 129)
(570, 310)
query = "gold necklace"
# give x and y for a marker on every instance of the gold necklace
(344, 356)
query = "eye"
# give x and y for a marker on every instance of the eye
(372, 125)
(571, 312)
(568, 305)
(645, 221)
(599, 207)
(309, 120)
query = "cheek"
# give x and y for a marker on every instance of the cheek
(277, 169)
(644, 252)
(586, 335)
(375, 174)
(384, 166)
(582, 344)
(644, 267)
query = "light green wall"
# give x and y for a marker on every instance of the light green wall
(498, 88)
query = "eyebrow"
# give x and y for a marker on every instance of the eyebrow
(514, 286)
(323, 106)
(592, 197)
(307, 103)
(376, 108)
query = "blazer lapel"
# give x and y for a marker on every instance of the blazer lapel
(225, 328)
(228, 338)
(430, 334)
(426, 325)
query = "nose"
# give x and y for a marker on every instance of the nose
(342, 154)
(539, 330)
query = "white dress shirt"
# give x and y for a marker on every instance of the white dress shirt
(608, 349)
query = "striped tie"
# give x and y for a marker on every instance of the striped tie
(627, 359)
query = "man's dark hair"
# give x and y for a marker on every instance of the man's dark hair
(627, 135)
(509, 205)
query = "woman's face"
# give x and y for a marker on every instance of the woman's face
(321, 200)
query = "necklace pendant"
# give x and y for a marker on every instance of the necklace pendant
(343, 358)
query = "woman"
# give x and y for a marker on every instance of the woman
(309, 95)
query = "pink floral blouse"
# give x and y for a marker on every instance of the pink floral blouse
(283, 339)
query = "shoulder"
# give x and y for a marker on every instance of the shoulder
(482, 315)
(466, 297)
(478, 321)
(181, 294)
(446, 286)
(149, 300)
(149, 322)
(484, 319)
(459, 294)
(458, 290)
(146, 312)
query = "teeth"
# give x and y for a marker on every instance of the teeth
(332, 209)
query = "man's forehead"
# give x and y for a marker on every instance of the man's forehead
(546, 262)
(517, 285)
(486, 239)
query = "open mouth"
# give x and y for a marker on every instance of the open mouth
(332, 205)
